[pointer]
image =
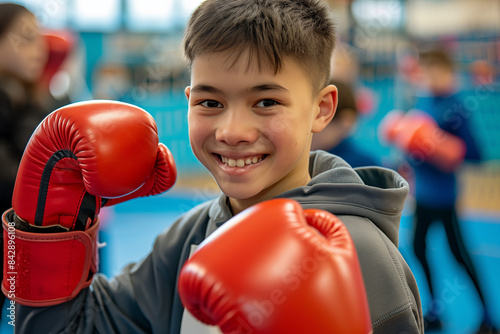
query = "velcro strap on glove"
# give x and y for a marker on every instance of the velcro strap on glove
(45, 269)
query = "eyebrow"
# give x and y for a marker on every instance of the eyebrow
(259, 88)
(205, 89)
(268, 87)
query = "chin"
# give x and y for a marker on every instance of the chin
(238, 192)
(239, 195)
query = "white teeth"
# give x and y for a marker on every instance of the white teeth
(240, 162)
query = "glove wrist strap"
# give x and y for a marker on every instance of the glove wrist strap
(45, 269)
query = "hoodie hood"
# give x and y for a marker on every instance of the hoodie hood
(375, 193)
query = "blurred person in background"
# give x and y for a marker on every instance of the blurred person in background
(436, 189)
(23, 55)
(336, 138)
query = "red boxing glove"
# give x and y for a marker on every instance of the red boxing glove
(78, 158)
(85, 153)
(268, 270)
(418, 134)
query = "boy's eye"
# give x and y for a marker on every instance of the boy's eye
(266, 103)
(211, 104)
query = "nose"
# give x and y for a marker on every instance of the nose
(236, 127)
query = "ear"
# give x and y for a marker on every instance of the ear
(187, 91)
(327, 105)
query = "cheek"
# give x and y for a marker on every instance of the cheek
(198, 131)
(285, 134)
(26, 64)
(192, 125)
(276, 128)
(295, 128)
(10, 60)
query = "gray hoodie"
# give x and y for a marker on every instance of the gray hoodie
(143, 298)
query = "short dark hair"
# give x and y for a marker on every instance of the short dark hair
(269, 30)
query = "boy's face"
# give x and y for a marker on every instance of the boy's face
(252, 128)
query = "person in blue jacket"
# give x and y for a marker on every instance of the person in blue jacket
(436, 190)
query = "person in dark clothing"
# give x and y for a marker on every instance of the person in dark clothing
(336, 138)
(435, 189)
(22, 59)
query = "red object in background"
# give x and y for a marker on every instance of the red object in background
(59, 44)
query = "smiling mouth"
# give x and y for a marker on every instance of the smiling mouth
(241, 162)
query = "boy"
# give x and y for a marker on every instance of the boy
(259, 90)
